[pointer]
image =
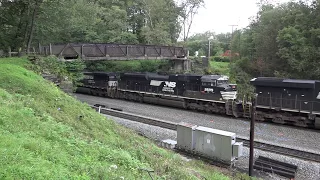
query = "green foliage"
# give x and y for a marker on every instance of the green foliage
(239, 75)
(100, 21)
(220, 68)
(72, 71)
(220, 59)
(75, 71)
(199, 42)
(42, 137)
(282, 41)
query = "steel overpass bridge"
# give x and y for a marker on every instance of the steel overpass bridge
(99, 51)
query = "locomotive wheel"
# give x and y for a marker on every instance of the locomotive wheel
(278, 120)
(260, 117)
(235, 114)
(301, 123)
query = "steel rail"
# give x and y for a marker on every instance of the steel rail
(173, 126)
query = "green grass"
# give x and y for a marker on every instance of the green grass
(220, 67)
(42, 137)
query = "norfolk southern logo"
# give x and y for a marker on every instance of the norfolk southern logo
(169, 86)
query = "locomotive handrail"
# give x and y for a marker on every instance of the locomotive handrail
(295, 105)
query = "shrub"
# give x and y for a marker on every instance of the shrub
(220, 59)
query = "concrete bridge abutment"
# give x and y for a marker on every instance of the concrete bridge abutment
(180, 65)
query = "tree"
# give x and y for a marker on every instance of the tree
(189, 10)
(282, 41)
(25, 23)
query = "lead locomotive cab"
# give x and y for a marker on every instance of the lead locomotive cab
(300, 98)
(218, 84)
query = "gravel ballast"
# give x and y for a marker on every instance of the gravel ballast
(286, 136)
(306, 170)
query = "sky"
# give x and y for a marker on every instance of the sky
(218, 15)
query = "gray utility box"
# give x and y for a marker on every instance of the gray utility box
(185, 136)
(215, 144)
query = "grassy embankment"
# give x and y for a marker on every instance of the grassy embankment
(220, 67)
(42, 137)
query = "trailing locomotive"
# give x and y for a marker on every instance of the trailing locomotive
(288, 101)
(212, 94)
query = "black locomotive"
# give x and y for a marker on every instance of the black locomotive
(281, 101)
(288, 101)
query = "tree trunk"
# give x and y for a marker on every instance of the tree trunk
(19, 29)
(35, 10)
(189, 27)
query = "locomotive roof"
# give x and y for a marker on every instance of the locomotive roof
(99, 73)
(146, 76)
(281, 82)
(214, 77)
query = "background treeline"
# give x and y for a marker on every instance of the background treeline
(282, 41)
(25, 23)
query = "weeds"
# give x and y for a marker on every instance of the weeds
(42, 137)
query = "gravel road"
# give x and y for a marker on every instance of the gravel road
(287, 136)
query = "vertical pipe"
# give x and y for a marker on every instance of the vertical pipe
(252, 136)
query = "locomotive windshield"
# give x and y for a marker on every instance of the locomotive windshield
(209, 83)
(221, 82)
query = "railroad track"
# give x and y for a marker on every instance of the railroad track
(173, 126)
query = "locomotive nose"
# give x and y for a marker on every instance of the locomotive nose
(233, 87)
(230, 87)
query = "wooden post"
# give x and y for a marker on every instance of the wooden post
(127, 51)
(253, 114)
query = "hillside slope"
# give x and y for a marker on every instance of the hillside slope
(43, 137)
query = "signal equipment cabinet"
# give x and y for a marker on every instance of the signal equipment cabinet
(215, 144)
(211, 143)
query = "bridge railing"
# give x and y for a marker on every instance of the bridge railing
(113, 51)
